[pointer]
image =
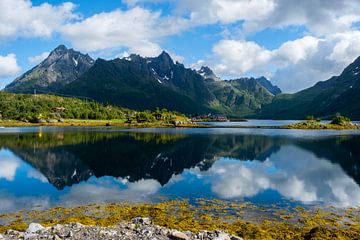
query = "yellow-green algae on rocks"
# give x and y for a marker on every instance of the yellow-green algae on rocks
(242, 219)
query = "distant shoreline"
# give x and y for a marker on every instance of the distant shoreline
(119, 123)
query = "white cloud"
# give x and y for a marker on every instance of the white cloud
(38, 59)
(135, 2)
(9, 66)
(297, 50)
(294, 65)
(329, 58)
(239, 56)
(224, 11)
(133, 29)
(347, 46)
(236, 58)
(320, 17)
(176, 57)
(19, 18)
(316, 15)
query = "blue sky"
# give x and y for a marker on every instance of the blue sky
(295, 44)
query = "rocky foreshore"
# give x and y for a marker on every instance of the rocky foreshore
(138, 228)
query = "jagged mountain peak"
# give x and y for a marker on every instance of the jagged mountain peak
(207, 73)
(162, 65)
(164, 59)
(61, 67)
(60, 48)
(266, 83)
(63, 53)
(165, 55)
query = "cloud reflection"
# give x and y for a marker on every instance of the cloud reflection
(105, 191)
(11, 203)
(295, 173)
(35, 174)
(8, 165)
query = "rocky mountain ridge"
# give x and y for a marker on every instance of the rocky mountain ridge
(143, 83)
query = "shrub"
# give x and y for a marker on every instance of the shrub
(340, 120)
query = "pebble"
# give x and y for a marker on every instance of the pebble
(138, 228)
(236, 238)
(176, 235)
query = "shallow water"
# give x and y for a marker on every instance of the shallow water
(41, 167)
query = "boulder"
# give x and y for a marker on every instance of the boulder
(34, 227)
(177, 235)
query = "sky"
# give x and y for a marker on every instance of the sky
(293, 43)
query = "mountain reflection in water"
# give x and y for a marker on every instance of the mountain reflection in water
(89, 167)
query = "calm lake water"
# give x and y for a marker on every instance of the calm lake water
(47, 166)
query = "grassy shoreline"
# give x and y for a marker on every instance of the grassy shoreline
(122, 123)
(92, 123)
(209, 215)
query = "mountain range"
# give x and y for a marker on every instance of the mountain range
(140, 83)
(144, 83)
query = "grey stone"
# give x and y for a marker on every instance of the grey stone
(34, 227)
(222, 236)
(139, 228)
(177, 235)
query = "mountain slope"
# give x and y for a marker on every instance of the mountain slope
(339, 94)
(240, 97)
(268, 85)
(61, 67)
(122, 82)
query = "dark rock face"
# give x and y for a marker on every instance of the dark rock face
(268, 85)
(61, 67)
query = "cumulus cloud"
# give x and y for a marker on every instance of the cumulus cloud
(258, 15)
(39, 58)
(294, 65)
(224, 11)
(132, 29)
(321, 18)
(8, 65)
(19, 18)
(240, 56)
(321, 181)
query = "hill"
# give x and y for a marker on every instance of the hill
(40, 108)
(339, 94)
